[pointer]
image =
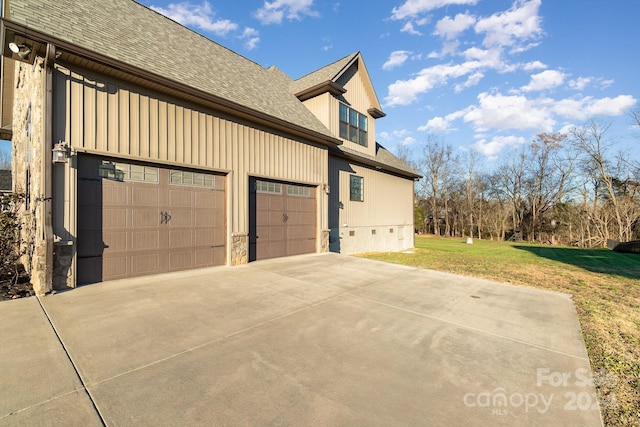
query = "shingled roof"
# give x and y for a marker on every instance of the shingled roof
(131, 33)
(328, 73)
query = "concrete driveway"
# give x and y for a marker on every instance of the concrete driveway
(322, 339)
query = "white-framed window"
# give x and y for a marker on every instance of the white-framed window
(192, 179)
(268, 187)
(120, 171)
(298, 190)
(356, 188)
(353, 125)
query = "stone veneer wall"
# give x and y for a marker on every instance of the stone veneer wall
(28, 137)
(324, 241)
(239, 248)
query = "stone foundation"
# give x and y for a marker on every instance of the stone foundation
(239, 249)
(324, 241)
(62, 259)
(27, 164)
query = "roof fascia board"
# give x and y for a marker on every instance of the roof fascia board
(225, 105)
(329, 86)
(376, 165)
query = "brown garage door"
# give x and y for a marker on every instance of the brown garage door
(136, 220)
(282, 219)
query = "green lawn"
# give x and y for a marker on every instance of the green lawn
(606, 290)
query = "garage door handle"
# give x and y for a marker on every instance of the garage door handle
(165, 217)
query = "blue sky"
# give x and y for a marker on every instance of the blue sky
(485, 75)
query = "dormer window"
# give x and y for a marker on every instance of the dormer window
(353, 125)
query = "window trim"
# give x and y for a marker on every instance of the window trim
(353, 196)
(347, 128)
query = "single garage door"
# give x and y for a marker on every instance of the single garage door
(282, 219)
(137, 219)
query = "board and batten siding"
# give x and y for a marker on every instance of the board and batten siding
(383, 221)
(388, 199)
(96, 115)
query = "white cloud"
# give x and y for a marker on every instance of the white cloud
(275, 11)
(408, 28)
(508, 29)
(451, 28)
(472, 80)
(200, 16)
(437, 124)
(396, 59)
(492, 148)
(404, 92)
(580, 83)
(251, 38)
(534, 65)
(587, 107)
(412, 8)
(547, 79)
(509, 112)
(408, 141)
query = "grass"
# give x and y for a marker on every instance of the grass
(606, 290)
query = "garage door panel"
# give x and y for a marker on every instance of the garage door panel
(116, 266)
(146, 263)
(115, 240)
(181, 260)
(115, 194)
(139, 223)
(180, 218)
(180, 238)
(145, 218)
(145, 195)
(180, 198)
(145, 240)
(114, 218)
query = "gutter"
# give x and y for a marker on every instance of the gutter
(47, 175)
(373, 163)
(220, 103)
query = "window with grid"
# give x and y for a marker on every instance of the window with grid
(127, 172)
(356, 188)
(298, 190)
(353, 125)
(193, 179)
(268, 187)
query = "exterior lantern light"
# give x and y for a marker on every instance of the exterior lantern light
(60, 153)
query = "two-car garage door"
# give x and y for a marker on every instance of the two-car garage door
(136, 219)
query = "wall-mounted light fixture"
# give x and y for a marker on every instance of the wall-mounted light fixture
(327, 188)
(60, 153)
(22, 50)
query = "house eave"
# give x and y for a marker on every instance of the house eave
(374, 164)
(376, 113)
(328, 86)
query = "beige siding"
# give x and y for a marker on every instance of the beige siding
(358, 98)
(323, 107)
(110, 118)
(387, 206)
(387, 198)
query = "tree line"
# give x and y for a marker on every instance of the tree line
(571, 189)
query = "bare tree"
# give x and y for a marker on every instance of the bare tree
(612, 183)
(5, 160)
(437, 166)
